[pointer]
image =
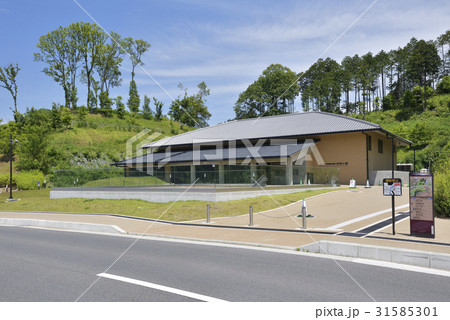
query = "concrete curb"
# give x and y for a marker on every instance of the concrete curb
(404, 256)
(91, 227)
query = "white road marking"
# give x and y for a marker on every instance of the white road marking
(161, 288)
(367, 216)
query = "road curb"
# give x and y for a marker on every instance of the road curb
(425, 259)
(80, 226)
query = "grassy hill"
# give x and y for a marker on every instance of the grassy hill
(99, 137)
(429, 131)
(91, 142)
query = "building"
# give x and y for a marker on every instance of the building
(290, 149)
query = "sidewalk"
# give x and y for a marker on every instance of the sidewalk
(345, 210)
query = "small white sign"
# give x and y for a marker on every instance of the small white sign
(353, 183)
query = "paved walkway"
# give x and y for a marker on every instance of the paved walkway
(337, 216)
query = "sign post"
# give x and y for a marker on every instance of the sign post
(421, 196)
(392, 187)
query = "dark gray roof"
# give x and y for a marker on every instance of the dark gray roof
(146, 158)
(288, 125)
(240, 153)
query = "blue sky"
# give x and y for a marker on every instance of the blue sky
(226, 44)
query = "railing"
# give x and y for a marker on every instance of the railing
(206, 175)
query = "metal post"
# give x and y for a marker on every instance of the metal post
(251, 216)
(208, 220)
(393, 213)
(393, 196)
(10, 166)
(304, 214)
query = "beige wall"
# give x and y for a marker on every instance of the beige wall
(381, 161)
(350, 148)
(338, 149)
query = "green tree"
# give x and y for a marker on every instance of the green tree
(54, 51)
(423, 63)
(8, 81)
(66, 117)
(146, 111)
(158, 109)
(191, 110)
(110, 58)
(135, 49)
(273, 93)
(105, 104)
(56, 117)
(443, 41)
(346, 80)
(82, 113)
(322, 81)
(32, 149)
(443, 87)
(120, 108)
(90, 40)
(74, 57)
(133, 99)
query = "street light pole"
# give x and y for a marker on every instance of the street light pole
(10, 166)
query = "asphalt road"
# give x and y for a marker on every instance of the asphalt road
(48, 265)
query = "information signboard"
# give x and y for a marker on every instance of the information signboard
(392, 187)
(421, 204)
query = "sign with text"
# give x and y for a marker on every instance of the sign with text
(421, 204)
(392, 187)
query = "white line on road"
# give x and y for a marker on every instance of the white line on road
(345, 223)
(161, 288)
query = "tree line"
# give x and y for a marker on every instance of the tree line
(402, 78)
(83, 52)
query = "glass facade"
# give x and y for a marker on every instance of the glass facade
(205, 174)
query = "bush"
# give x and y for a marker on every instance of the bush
(28, 180)
(442, 190)
(4, 180)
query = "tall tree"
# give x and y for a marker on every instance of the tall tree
(135, 49)
(382, 62)
(73, 63)
(423, 65)
(133, 99)
(158, 109)
(90, 39)
(107, 67)
(8, 76)
(53, 50)
(346, 80)
(323, 81)
(146, 110)
(191, 110)
(120, 107)
(271, 94)
(443, 41)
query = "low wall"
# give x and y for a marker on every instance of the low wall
(404, 256)
(163, 195)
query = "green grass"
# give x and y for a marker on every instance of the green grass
(39, 200)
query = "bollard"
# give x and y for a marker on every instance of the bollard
(208, 220)
(251, 215)
(304, 214)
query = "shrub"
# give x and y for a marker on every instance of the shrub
(28, 180)
(442, 190)
(4, 180)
